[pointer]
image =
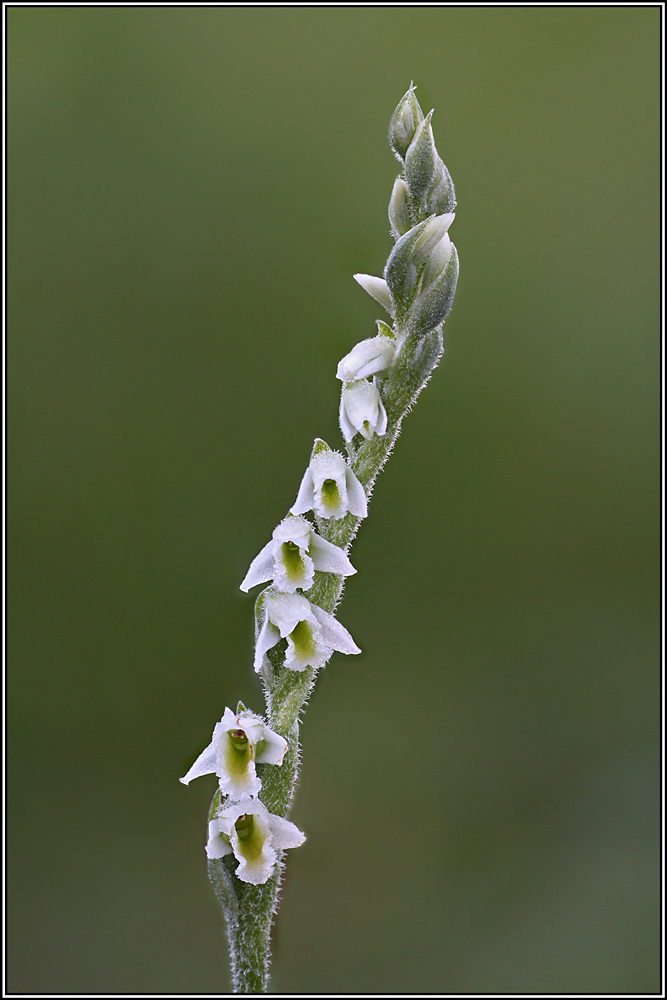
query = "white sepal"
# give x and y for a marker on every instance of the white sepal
(261, 569)
(239, 741)
(218, 846)
(368, 358)
(362, 411)
(254, 835)
(378, 289)
(333, 633)
(293, 555)
(330, 488)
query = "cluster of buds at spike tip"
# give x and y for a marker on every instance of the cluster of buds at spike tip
(421, 274)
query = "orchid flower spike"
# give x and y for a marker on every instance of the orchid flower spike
(292, 557)
(362, 411)
(329, 486)
(368, 357)
(239, 741)
(253, 835)
(312, 634)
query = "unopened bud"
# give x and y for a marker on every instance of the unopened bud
(432, 306)
(437, 261)
(404, 122)
(399, 208)
(440, 197)
(421, 160)
(407, 260)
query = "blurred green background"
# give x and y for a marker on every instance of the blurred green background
(190, 191)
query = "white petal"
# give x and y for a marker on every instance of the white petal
(251, 725)
(363, 409)
(347, 429)
(261, 569)
(327, 465)
(356, 495)
(206, 763)
(217, 846)
(381, 426)
(330, 558)
(268, 637)
(227, 817)
(285, 611)
(378, 289)
(306, 497)
(367, 358)
(285, 834)
(228, 721)
(273, 748)
(294, 529)
(333, 633)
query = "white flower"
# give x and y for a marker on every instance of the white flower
(378, 289)
(362, 411)
(312, 634)
(330, 487)
(254, 835)
(239, 740)
(292, 557)
(368, 357)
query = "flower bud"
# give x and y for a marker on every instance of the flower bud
(362, 411)
(399, 208)
(437, 261)
(407, 259)
(368, 358)
(404, 121)
(421, 160)
(432, 306)
(440, 197)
